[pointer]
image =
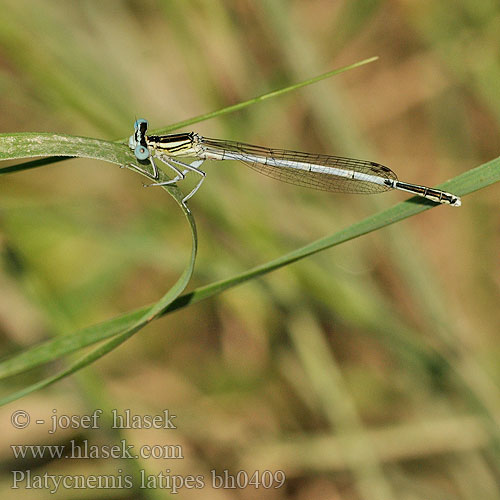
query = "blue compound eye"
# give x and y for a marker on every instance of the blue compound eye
(139, 122)
(141, 152)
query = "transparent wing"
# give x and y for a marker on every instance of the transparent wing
(315, 180)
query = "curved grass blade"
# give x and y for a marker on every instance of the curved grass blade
(196, 119)
(466, 183)
(13, 146)
(32, 144)
(146, 316)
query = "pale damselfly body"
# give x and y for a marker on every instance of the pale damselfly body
(318, 171)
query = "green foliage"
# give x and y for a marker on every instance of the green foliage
(15, 146)
(368, 371)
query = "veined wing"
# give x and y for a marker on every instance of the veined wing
(294, 169)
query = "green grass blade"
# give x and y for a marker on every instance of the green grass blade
(14, 146)
(32, 144)
(466, 183)
(61, 346)
(142, 319)
(263, 97)
(28, 165)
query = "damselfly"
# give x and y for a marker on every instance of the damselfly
(323, 172)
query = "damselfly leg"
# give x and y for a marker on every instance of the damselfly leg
(189, 167)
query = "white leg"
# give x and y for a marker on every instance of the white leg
(145, 172)
(179, 175)
(155, 168)
(193, 167)
(174, 164)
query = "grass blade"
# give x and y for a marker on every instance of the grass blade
(32, 144)
(466, 183)
(145, 317)
(14, 146)
(263, 97)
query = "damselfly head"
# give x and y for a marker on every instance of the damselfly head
(137, 141)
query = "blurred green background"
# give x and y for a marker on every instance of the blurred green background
(369, 371)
